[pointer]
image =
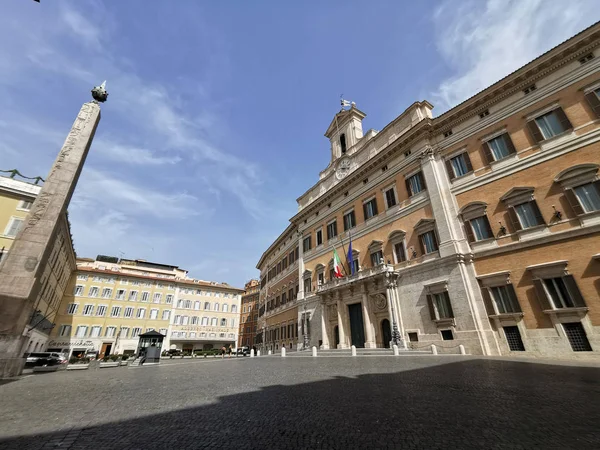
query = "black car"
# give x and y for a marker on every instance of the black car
(243, 351)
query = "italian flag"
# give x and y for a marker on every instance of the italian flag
(337, 266)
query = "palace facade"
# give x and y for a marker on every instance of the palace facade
(249, 314)
(480, 227)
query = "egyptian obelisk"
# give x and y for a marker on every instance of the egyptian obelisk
(21, 270)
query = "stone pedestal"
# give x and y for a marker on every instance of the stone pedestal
(21, 270)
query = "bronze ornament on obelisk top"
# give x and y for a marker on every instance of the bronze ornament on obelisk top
(21, 269)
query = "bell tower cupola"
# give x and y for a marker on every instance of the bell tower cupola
(345, 130)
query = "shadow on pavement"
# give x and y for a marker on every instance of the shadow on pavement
(472, 404)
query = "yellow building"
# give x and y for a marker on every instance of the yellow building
(16, 200)
(111, 301)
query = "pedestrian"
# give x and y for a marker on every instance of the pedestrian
(223, 352)
(229, 350)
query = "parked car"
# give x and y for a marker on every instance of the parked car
(243, 351)
(45, 359)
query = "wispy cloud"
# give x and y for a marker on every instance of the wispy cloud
(132, 155)
(483, 41)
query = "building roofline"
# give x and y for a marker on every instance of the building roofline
(289, 228)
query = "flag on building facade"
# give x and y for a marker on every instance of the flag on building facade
(349, 257)
(337, 266)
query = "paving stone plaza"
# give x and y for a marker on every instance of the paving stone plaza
(411, 402)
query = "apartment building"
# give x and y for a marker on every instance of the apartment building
(480, 227)
(16, 201)
(110, 301)
(249, 314)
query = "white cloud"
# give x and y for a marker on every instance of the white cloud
(82, 27)
(483, 42)
(132, 155)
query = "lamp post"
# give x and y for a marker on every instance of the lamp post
(391, 285)
(305, 343)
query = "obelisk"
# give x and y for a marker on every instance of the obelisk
(20, 271)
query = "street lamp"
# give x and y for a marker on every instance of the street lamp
(306, 343)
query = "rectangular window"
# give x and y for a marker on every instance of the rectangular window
(332, 230)
(307, 285)
(157, 297)
(513, 338)
(110, 331)
(349, 220)
(481, 228)
(101, 310)
(88, 310)
(390, 197)
(133, 296)
(124, 332)
(154, 314)
(558, 293)
(528, 214)
(95, 331)
(577, 337)
(136, 332)
(82, 277)
(106, 293)
(588, 196)
(72, 308)
(166, 314)
(321, 277)
(13, 227)
(429, 242)
(81, 331)
(376, 258)
(370, 208)
(141, 313)
(415, 184)
(93, 292)
(25, 205)
(441, 303)
(447, 335)
(553, 123)
(319, 237)
(498, 148)
(459, 165)
(399, 252)
(64, 330)
(128, 312)
(145, 296)
(169, 299)
(78, 291)
(120, 294)
(115, 311)
(505, 299)
(306, 243)
(354, 268)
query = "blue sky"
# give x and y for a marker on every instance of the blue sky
(215, 120)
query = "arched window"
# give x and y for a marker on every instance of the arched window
(216, 306)
(225, 307)
(223, 322)
(233, 308)
(196, 305)
(213, 321)
(207, 306)
(343, 142)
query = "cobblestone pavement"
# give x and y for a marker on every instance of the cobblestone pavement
(406, 402)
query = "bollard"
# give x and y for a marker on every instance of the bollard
(396, 350)
(252, 353)
(462, 350)
(433, 349)
(270, 353)
(283, 352)
(314, 351)
(353, 350)
(257, 352)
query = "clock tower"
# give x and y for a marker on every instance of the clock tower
(344, 132)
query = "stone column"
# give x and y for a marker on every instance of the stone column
(300, 267)
(21, 270)
(368, 320)
(341, 323)
(325, 325)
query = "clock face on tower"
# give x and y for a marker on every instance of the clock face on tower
(343, 168)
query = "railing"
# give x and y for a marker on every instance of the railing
(360, 275)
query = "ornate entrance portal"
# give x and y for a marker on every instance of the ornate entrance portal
(357, 328)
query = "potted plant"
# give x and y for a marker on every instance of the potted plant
(109, 361)
(78, 363)
(124, 359)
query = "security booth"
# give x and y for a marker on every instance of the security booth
(149, 346)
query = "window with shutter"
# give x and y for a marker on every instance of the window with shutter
(549, 125)
(588, 196)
